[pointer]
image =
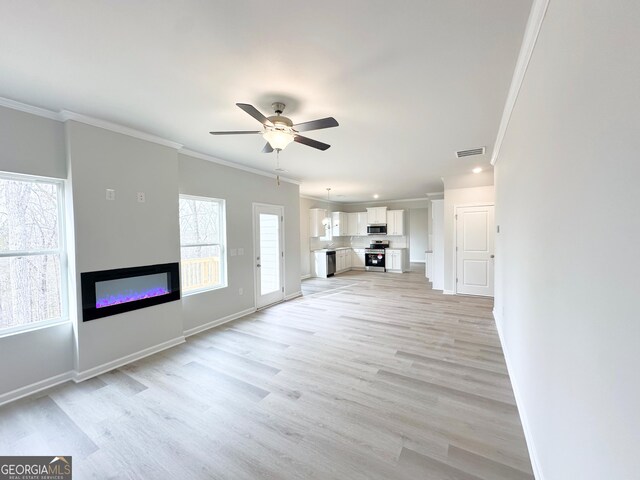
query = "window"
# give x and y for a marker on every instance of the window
(202, 244)
(32, 261)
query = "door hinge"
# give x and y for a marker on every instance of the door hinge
(282, 254)
(456, 216)
(456, 280)
(282, 289)
(282, 218)
(456, 248)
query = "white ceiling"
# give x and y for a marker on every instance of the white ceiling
(410, 82)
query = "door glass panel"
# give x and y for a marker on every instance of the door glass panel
(269, 254)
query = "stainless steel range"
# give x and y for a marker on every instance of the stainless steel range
(374, 256)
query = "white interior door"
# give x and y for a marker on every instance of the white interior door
(475, 250)
(269, 254)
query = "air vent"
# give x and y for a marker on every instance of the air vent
(470, 153)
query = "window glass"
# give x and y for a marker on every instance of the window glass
(202, 244)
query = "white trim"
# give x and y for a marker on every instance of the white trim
(533, 455)
(119, 362)
(378, 202)
(455, 244)
(324, 200)
(304, 277)
(218, 322)
(291, 296)
(67, 115)
(23, 107)
(36, 387)
(534, 24)
(219, 161)
(448, 292)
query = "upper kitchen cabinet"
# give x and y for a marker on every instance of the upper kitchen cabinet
(352, 224)
(363, 221)
(316, 226)
(377, 215)
(339, 224)
(395, 222)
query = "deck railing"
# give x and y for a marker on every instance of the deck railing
(200, 273)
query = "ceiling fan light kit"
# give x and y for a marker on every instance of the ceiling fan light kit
(279, 131)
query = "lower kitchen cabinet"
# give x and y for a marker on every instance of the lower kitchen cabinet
(357, 259)
(396, 260)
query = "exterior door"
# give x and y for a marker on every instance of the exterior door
(269, 254)
(475, 250)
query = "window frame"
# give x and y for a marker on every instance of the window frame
(61, 251)
(222, 245)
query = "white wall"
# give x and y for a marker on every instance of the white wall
(418, 235)
(567, 256)
(36, 146)
(240, 189)
(437, 216)
(455, 197)
(122, 233)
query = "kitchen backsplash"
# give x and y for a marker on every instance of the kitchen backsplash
(357, 242)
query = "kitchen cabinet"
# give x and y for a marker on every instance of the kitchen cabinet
(316, 227)
(319, 264)
(357, 258)
(396, 260)
(395, 222)
(363, 221)
(377, 215)
(339, 224)
(352, 224)
(343, 260)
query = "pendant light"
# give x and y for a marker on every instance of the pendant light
(326, 221)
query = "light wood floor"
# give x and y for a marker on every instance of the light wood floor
(368, 376)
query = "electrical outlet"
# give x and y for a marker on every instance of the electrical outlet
(140, 197)
(111, 194)
(241, 291)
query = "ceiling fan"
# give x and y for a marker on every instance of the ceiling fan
(279, 131)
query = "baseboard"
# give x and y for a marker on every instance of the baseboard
(106, 367)
(217, 322)
(291, 296)
(36, 387)
(448, 292)
(535, 464)
(304, 277)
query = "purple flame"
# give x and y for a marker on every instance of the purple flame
(130, 296)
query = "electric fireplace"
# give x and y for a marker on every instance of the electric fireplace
(109, 292)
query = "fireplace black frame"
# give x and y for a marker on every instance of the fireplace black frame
(88, 282)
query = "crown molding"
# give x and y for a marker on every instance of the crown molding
(374, 202)
(318, 199)
(209, 158)
(534, 24)
(23, 107)
(66, 115)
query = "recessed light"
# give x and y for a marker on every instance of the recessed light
(476, 170)
(376, 196)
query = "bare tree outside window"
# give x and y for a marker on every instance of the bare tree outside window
(202, 244)
(30, 252)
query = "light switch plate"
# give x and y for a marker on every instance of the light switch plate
(241, 251)
(111, 194)
(234, 252)
(141, 198)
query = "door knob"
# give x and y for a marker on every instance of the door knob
(493, 256)
(258, 265)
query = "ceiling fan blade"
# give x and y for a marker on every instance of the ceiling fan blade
(310, 142)
(267, 148)
(237, 132)
(316, 124)
(253, 111)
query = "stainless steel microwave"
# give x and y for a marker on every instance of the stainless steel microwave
(377, 229)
